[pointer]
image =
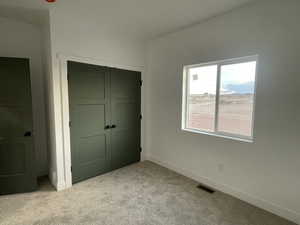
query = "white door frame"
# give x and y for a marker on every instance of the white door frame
(66, 142)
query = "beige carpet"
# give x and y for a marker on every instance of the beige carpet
(141, 194)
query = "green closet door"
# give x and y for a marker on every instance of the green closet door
(89, 98)
(16, 144)
(125, 117)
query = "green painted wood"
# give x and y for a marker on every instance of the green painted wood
(125, 114)
(17, 170)
(101, 97)
(89, 98)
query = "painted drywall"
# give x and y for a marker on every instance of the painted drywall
(266, 172)
(47, 62)
(19, 39)
(74, 34)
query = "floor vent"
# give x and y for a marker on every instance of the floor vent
(206, 189)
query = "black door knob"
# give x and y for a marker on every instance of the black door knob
(27, 134)
(106, 127)
(113, 126)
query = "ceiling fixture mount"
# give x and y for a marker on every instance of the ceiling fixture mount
(50, 1)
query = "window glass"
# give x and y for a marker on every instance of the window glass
(236, 98)
(219, 98)
(201, 99)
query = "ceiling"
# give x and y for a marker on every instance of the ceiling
(144, 18)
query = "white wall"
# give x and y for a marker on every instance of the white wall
(75, 33)
(47, 62)
(266, 172)
(23, 40)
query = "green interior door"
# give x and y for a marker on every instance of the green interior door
(125, 116)
(17, 172)
(89, 99)
(105, 119)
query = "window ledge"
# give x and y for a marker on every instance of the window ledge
(241, 139)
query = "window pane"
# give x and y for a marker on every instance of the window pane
(201, 97)
(236, 98)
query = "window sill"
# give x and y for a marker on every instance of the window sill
(241, 139)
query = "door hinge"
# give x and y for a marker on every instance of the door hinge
(141, 82)
(71, 168)
(70, 123)
(141, 117)
(141, 149)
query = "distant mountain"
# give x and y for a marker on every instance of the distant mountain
(244, 88)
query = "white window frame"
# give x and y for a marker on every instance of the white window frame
(185, 89)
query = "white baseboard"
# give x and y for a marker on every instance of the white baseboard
(60, 186)
(268, 206)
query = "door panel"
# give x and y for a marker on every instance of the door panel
(16, 150)
(95, 148)
(89, 114)
(99, 98)
(126, 111)
(89, 86)
(89, 118)
(14, 153)
(124, 114)
(125, 148)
